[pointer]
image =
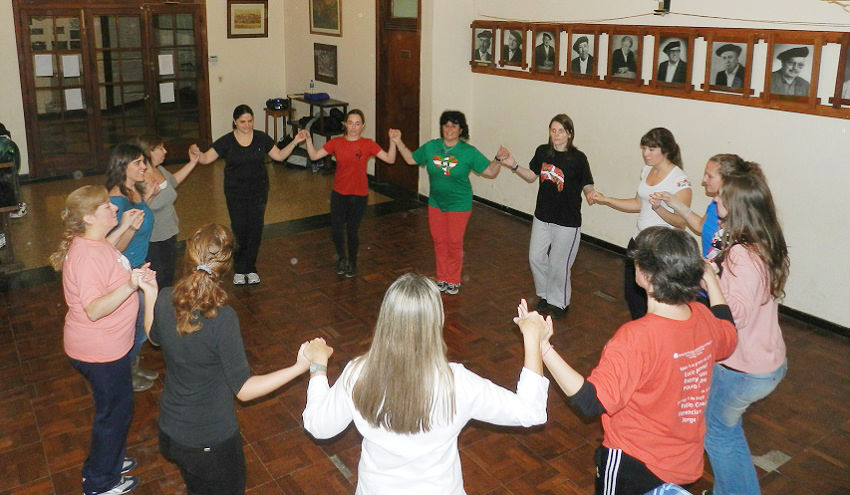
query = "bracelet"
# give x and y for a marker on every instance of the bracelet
(515, 167)
(315, 367)
(547, 350)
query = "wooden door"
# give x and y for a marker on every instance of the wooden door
(397, 99)
(93, 77)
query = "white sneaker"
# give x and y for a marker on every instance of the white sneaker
(20, 212)
(239, 279)
(125, 484)
(128, 465)
(253, 279)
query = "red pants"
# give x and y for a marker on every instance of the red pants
(447, 230)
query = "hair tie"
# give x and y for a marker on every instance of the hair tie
(205, 268)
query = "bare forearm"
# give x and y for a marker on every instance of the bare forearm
(260, 385)
(105, 305)
(406, 154)
(533, 359)
(184, 171)
(120, 237)
(565, 376)
(671, 218)
(628, 205)
(492, 170)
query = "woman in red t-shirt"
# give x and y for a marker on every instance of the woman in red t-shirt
(351, 185)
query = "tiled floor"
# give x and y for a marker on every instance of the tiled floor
(46, 411)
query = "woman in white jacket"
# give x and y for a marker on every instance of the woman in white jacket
(409, 403)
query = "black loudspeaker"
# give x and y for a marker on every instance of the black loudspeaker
(277, 103)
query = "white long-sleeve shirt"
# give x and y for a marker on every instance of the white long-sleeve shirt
(429, 462)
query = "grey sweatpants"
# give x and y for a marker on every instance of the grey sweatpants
(551, 254)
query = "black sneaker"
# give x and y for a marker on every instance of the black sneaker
(341, 266)
(542, 305)
(351, 271)
(557, 312)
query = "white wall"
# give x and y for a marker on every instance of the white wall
(356, 58)
(806, 158)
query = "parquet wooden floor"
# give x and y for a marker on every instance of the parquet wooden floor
(46, 410)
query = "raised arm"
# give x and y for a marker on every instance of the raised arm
(187, 169)
(628, 205)
(260, 385)
(146, 280)
(390, 155)
(328, 409)
(508, 160)
(492, 170)
(312, 152)
(280, 155)
(206, 157)
(684, 197)
(406, 154)
(694, 221)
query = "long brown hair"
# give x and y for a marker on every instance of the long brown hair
(729, 164)
(116, 171)
(209, 256)
(406, 375)
(752, 222)
(567, 123)
(81, 202)
(146, 143)
(660, 137)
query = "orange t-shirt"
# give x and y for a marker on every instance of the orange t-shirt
(91, 270)
(653, 380)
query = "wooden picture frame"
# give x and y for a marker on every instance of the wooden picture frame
(842, 80)
(729, 64)
(582, 41)
(325, 63)
(326, 17)
(483, 48)
(545, 43)
(247, 19)
(624, 62)
(793, 66)
(673, 49)
(512, 52)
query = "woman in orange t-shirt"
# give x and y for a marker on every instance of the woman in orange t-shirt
(101, 293)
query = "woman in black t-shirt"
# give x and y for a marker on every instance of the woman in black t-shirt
(246, 185)
(206, 363)
(564, 174)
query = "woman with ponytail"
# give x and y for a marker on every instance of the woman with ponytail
(206, 363)
(101, 293)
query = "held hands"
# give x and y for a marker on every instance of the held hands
(658, 198)
(194, 151)
(144, 278)
(533, 326)
(302, 136)
(316, 351)
(395, 136)
(597, 197)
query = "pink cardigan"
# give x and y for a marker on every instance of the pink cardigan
(744, 282)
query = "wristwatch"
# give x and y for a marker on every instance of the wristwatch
(314, 367)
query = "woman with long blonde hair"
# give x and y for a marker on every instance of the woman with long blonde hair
(101, 293)
(753, 271)
(409, 402)
(205, 358)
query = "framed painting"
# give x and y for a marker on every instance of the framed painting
(326, 17)
(247, 19)
(324, 63)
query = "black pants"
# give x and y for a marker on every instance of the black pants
(346, 213)
(634, 294)
(247, 210)
(620, 473)
(163, 258)
(217, 469)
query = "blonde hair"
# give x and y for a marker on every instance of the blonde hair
(406, 375)
(200, 293)
(81, 202)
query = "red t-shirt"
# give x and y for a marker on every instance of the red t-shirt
(653, 380)
(352, 157)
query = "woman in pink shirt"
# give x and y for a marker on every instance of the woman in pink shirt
(101, 294)
(753, 270)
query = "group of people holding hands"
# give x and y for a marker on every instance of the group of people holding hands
(704, 342)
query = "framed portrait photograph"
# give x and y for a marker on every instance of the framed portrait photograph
(672, 60)
(581, 54)
(624, 57)
(324, 63)
(326, 17)
(843, 83)
(483, 44)
(728, 62)
(545, 49)
(513, 46)
(247, 19)
(790, 67)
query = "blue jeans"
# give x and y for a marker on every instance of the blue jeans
(140, 337)
(730, 394)
(112, 391)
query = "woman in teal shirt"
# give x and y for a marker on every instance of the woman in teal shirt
(448, 160)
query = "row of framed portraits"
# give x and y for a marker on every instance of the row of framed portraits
(770, 68)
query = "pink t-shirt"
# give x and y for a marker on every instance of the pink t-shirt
(91, 270)
(761, 348)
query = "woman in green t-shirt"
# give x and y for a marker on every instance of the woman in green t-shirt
(448, 160)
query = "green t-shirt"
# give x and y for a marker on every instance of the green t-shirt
(448, 171)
